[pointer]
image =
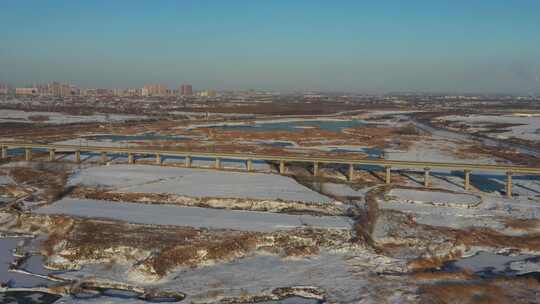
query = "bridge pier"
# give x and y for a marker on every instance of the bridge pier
(351, 172)
(52, 156)
(28, 154)
(104, 157)
(426, 177)
(509, 184)
(249, 165)
(158, 159)
(467, 180)
(188, 161)
(77, 156)
(4, 152)
(218, 163)
(131, 160)
(315, 169)
(388, 175)
(281, 167)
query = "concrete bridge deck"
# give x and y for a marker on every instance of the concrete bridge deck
(388, 165)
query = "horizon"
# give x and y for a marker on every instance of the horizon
(489, 47)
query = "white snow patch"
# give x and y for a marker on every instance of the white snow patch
(528, 128)
(196, 183)
(191, 216)
(59, 118)
(438, 198)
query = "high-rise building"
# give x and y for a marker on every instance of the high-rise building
(154, 90)
(186, 90)
(4, 89)
(208, 93)
(55, 89)
(26, 91)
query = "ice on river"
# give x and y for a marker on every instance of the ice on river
(191, 216)
(196, 183)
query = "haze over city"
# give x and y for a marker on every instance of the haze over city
(475, 46)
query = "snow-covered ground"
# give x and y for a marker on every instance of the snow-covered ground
(59, 118)
(5, 180)
(436, 198)
(13, 279)
(191, 216)
(528, 128)
(196, 183)
(435, 150)
(342, 190)
(491, 212)
(345, 277)
(488, 262)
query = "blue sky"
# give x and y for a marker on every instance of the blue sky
(359, 46)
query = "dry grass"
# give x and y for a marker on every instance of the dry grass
(463, 293)
(202, 251)
(367, 218)
(523, 224)
(52, 182)
(181, 246)
(507, 154)
(513, 290)
(443, 276)
(490, 238)
(425, 263)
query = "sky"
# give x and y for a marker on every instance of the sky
(461, 46)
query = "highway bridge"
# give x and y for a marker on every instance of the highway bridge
(352, 163)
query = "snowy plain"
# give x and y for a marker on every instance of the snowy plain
(527, 128)
(59, 118)
(191, 216)
(195, 183)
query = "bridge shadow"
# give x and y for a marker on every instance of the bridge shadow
(408, 175)
(446, 177)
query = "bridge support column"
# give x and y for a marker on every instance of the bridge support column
(158, 159)
(388, 175)
(188, 161)
(351, 172)
(315, 169)
(28, 154)
(4, 152)
(249, 165)
(281, 167)
(218, 163)
(426, 177)
(131, 160)
(509, 184)
(52, 155)
(77, 156)
(467, 180)
(104, 158)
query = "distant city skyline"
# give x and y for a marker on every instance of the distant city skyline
(475, 46)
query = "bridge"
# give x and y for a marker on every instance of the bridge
(387, 165)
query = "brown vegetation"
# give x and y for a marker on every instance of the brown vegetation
(443, 276)
(523, 224)
(51, 180)
(516, 291)
(181, 246)
(277, 206)
(38, 118)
